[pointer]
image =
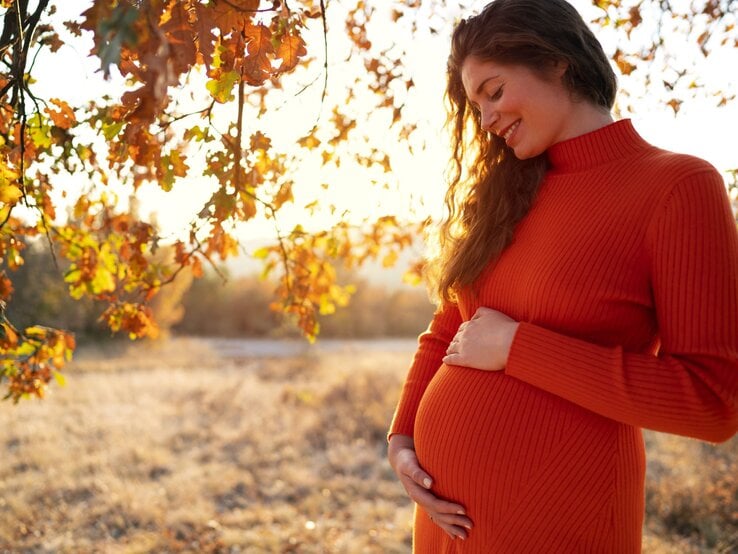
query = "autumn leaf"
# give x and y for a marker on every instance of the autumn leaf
(390, 259)
(175, 22)
(259, 141)
(257, 66)
(291, 49)
(172, 165)
(674, 104)
(625, 67)
(283, 195)
(221, 89)
(309, 141)
(9, 194)
(115, 32)
(64, 117)
(200, 19)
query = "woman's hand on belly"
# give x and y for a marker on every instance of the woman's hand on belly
(449, 516)
(483, 342)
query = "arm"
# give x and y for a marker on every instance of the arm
(691, 387)
(432, 346)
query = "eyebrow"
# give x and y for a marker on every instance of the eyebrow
(481, 85)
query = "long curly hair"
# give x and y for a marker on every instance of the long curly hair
(490, 190)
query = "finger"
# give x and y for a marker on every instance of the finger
(453, 358)
(453, 519)
(431, 503)
(453, 531)
(419, 476)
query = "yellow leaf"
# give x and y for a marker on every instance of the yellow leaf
(261, 253)
(283, 195)
(60, 379)
(9, 194)
(309, 142)
(221, 89)
(103, 281)
(390, 259)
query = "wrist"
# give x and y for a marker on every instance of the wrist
(512, 330)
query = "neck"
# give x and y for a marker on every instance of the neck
(605, 144)
(587, 117)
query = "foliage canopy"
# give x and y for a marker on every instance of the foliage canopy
(201, 79)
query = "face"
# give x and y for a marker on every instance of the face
(528, 112)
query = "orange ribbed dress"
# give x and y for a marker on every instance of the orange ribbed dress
(624, 276)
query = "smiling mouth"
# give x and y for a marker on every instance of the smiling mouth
(507, 132)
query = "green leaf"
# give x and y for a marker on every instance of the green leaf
(39, 131)
(111, 130)
(221, 89)
(116, 32)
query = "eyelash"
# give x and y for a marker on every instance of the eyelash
(497, 94)
(491, 97)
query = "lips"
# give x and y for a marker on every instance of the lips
(508, 131)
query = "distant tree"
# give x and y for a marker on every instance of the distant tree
(41, 297)
(239, 308)
(191, 65)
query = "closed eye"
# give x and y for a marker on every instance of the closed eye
(496, 95)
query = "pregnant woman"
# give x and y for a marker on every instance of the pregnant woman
(589, 288)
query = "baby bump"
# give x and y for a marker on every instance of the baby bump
(484, 437)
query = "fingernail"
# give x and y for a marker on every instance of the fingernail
(427, 483)
(461, 513)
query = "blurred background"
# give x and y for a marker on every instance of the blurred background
(230, 432)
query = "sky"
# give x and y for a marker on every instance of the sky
(417, 181)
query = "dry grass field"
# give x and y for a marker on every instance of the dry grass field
(172, 448)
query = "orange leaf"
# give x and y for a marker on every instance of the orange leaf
(290, 50)
(674, 104)
(257, 67)
(625, 67)
(179, 34)
(197, 268)
(63, 118)
(310, 141)
(230, 16)
(200, 19)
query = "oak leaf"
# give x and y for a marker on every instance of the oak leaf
(291, 49)
(257, 66)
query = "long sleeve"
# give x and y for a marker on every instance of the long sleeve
(691, 386)
(432, 345)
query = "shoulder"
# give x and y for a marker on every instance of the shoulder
(664, 172)
(690, 194)
(674, 164)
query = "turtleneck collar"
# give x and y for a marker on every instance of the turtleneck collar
(608, 143)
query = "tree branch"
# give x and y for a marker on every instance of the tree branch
(274, 8)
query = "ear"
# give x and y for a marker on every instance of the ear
(559, 68)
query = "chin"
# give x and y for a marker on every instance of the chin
(523, 153)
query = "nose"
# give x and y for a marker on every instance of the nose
(488, 119)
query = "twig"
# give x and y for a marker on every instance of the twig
(325, 61)
(274, 8)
